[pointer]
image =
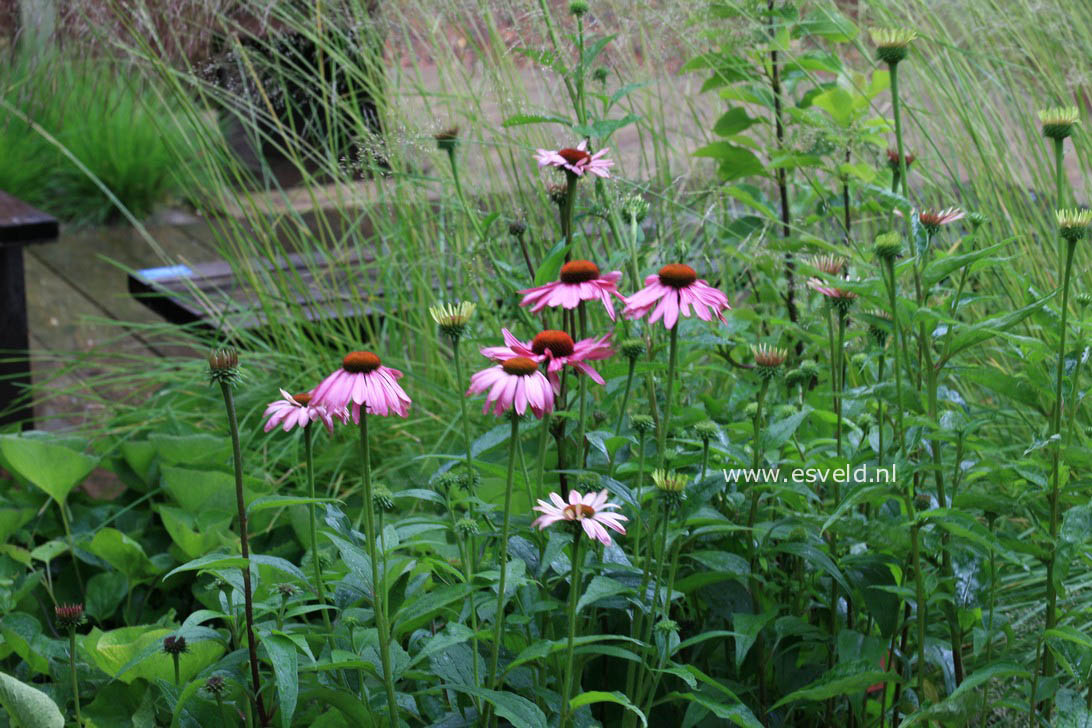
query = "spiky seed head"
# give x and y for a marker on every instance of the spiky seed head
(923, 502)
(632, 349)
(643, 424)
(466, 527)
(671, 486)
(1073, 224)
(876, 331)
(68, 616)
(286, 590)
(469, 481)
(1083, 299)
(1059, 121)
(768, 359)
(887, 246)
(892, 44)
(667, 626)
(223, 365)
(516, 228)
(635, 208)
(215, 685)
(382, 498)
(452, 318)
(174, 644)
(579, 8)
(706, 430)
(448, 139)
(558, 194)
(805, 373)
(750, 410)
(446, 481)
(893, 159)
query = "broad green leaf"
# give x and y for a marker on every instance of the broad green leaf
(942, 267)
(27, 706)
(53, 468)
(735, 161)
(197, 449)
(282, 653)
(420, 609)
(965, 337)
(747, 628)
(733, 121)
(956, 706)
(196, 534)
(616, 697)
(12, 519)
(738, 713)
(518, 710)
(123, 553)
(601, 587)
(603, 128)
(132, 653)
(838, 103)
(267, 502)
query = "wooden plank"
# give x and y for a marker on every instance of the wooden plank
(20, 223)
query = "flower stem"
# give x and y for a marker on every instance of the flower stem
(177, 668)
(462, 408)
(891, 297)
(1056, 426)
(312, 509)
(567, 211)
(378, 584)
(72, 547)
(581, 450)
(903, 179)
(625, 397)
(498, 618)
(919, 595)
(574, 594)
(672, 361)
(72, 669)
(248, 594)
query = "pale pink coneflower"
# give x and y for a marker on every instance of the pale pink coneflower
(363, 380)
(576, 161)
(591, 511)
(515, 383)
(557, 349)
(580, 280)
(298, 410)
(675, 289)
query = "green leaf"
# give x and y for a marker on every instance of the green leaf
(778, 433)
(136, 652)
(53, 468)
(953, 705)
(519, 711)
(843, 679)
(601, 587)
(967, 336)
(283, 501)
(733, 122)
(838, 103)
(196, 449)
(282, 653)
(603, 128)
(550, 266)
(524, 119)
(123, 553)
(942, 267)
(747, 627)
(598, 696)
(735, 161)
(28, 707)
(739, 714)
(350, 706)
(420, 610)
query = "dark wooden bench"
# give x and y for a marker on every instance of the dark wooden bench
(213, 297)
(20, 224)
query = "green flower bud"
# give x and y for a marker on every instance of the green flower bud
(382, 498)
(887, 246)
(643, 424)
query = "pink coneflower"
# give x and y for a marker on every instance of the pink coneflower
(676, 288)
(362, 380)
(592, 511)
(515, 383)
(557, 349)
(297, 410)
(830, 291)
(576, 161)
(580, 280)
(931, 220)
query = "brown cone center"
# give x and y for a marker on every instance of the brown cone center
(677, 275)
(557, 342)
(303, 399)
(578, 512)
(360, 362)
(579, 271)
(572, 156)
(519, 365)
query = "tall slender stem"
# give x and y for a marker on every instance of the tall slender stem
(782, 178)
(378, 581)
(892, 303)
(919, 595)
(895, 110)
(625, 396)
(1055, 487)
(312, 508)
(462, 409)
(581, 449)
(574, 594)
(502, 551)
(72, 548)
(672, 361)
(244, 540)
(75, 679)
